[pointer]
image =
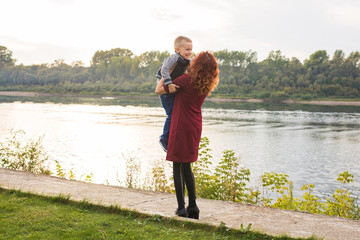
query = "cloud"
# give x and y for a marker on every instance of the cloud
(61, 2)
(345, 15)
(82, 27)
(38, 53)
(162, 14)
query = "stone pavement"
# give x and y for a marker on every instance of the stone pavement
(264, 219)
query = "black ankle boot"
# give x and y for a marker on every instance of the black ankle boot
(193, 212)
(181, 212)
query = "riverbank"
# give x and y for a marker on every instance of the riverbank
(264, 219)
(212, 99)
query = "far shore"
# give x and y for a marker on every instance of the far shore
(315, 102)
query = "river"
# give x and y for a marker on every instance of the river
(312, 144)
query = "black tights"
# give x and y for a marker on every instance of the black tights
(182, 171)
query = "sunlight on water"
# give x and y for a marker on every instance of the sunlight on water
(311, 147)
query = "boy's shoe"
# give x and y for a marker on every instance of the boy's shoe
(163, 144)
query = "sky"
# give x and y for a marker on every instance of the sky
(42, 31)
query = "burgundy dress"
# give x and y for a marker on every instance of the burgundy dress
(186, 122)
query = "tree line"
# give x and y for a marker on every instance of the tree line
(119, 71)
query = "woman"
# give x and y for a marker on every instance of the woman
(201, 78)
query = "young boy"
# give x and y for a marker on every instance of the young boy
(173, 67)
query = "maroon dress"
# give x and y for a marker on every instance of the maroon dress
(186, 122)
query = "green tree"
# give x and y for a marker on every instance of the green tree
(6, 57)
(105, 56)
(118, 71)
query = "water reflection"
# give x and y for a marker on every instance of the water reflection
(98, 134)
(153, 101)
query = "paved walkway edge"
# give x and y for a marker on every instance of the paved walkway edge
(264, 219)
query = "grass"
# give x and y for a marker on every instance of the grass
(29, 216)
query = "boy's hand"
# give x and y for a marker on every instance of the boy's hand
(172, 87)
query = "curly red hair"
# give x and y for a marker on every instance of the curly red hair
(204, 72)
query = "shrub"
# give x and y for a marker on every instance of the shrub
(343, 202)
(205, 186)
(279, 96)
(160, 182)
(22, 153)
(231, 179)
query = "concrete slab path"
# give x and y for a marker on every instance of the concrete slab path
(264, 219)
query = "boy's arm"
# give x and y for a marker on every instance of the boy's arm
(166, 68)
(158, 74)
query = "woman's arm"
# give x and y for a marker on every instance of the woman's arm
(160, 90)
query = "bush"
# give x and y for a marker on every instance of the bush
(279, 96)
(21, 153)
(231, 179)
(229, 183)
(205, 187)
(307, 96)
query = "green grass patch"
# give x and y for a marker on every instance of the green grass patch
(29, 216)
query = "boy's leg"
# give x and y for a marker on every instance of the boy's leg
(167, 101)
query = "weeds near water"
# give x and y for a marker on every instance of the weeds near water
(230, 179)
(228, 182)
(343, 202)
(60, 172)
(18, 152)
(160, 182)
(133, 168)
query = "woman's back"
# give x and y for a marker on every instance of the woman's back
(186, 122)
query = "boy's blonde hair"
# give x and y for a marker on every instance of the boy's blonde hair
(179, 41)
